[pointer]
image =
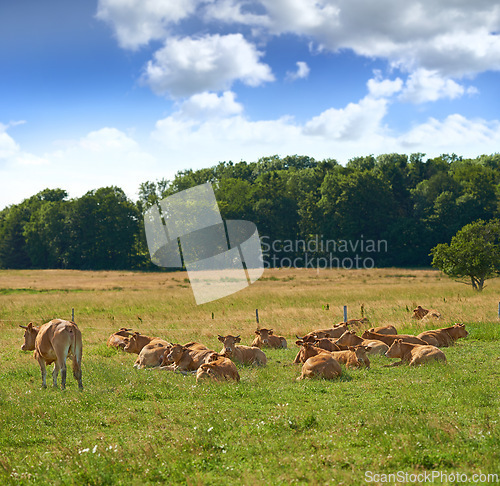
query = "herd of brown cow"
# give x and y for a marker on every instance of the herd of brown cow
(321, 351)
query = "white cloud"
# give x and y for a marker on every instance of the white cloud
(301, 72)
(424, 85)
(210, 63)
(101, 158)
(383, 88)
(455, 38)
(8, 147)
(210, 105)
(137, 22)
(456, 134)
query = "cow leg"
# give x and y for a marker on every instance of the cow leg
(399, 363)
(77, 372)
(55, 372)
(43, 369)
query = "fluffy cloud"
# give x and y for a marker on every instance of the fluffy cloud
(137, 22)
(354, 122)
(455, 38)
(301, 72)
(210, 63)
(383, 88)
(463, 136)
(424, 85)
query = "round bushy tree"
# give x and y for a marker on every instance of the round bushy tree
(473, 254)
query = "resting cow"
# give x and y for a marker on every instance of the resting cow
(219, 368)
(326, 343)
(151, 355)
(334, 332)
(350, 338)
(413, 354)
(322, 365)
(445, 336)
(53, 342)
(306, 351)
(119, 339)
(241, 354)
(354, 357)
(420, 313)
(137, 341)
(384, 330)
(390, 338)
(266, 339)
(185, 359)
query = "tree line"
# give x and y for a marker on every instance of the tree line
(402, 205)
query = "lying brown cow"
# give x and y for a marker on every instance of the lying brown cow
(219, 368)
(421, 313)
(119, 339)
(322, 365)
(350, 338)
(390, 338)
(445, 336)
(384, 330)
(413, 354)
(354, 357)
(306, 351)
(185, 359)
(241, 354)
(151, 355)
(137, 341)
(53, 342)
(334, 332)
(326, 343)
(266, 339)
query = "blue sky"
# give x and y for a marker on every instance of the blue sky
(119, 92)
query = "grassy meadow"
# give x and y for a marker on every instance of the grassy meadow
(137, 427)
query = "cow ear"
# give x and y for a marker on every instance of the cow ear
(351, 348)
(220, 338)
(237, 339)
(299, 342)
(270, 331)
(257, 332)
(367, 348)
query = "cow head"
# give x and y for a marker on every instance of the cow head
(360, 352)
(458, 331)
(175, 354)
(349, 338)
(30, 334)
(419, 312)
(308, 338)
(229, 343)
(307, 350)
(395, 350)
(132, 346)
(264, 334)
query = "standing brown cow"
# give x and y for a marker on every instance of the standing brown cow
(53, 342)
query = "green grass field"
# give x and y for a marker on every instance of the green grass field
(141, 427)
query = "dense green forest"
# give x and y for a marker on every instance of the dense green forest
(388, 210)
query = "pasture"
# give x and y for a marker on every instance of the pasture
(137, 427)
